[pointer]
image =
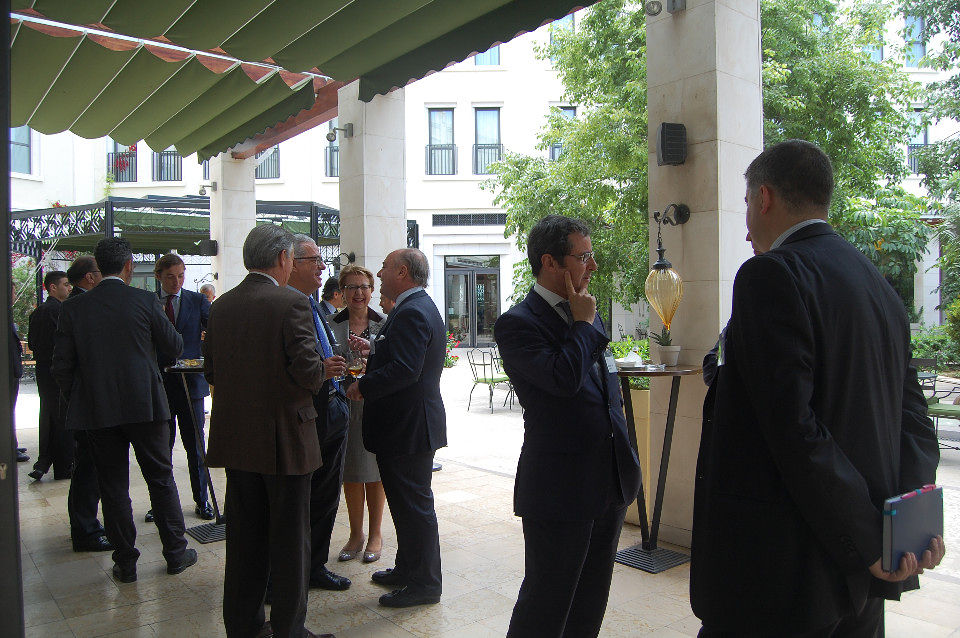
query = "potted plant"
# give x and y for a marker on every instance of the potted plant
(669, 353)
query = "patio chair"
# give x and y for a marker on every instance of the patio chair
(936, 408)
(484, 371)
(498, 367)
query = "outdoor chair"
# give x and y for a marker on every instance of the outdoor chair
(484, 371)
(936, 407)
(498, 368)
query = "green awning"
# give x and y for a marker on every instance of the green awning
(130, 95)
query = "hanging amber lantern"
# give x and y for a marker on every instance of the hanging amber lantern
(664, 286)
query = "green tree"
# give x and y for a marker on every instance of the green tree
(889, 230)
(819, 84)
(940, 161)
(600, 174)
(25, 289)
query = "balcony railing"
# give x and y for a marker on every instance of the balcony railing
(123, 166)
(484, 155)
(167, 166)
(441, 159)
(332, 157)
(270, 167)
(913, 156)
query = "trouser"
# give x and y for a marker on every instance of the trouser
(406, 482)
(324, 501)
(567, 573)
(268, 536)
(83, 499)
(869, 623)
(111, 450)
(181, 419)
(56, 442)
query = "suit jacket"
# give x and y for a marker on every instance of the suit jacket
(403, 411)
(105, 358)
(14, 355)
(812, 421)
(260, 353)
(191, 321)
(42, 327)
(575, 444)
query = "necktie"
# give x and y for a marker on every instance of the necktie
(169, 310)
(322, 339)
(568, 313)
(597, 371)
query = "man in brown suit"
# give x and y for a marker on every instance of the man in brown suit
(260, 353)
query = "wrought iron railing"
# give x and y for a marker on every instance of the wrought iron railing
(123, 166)
(441, 159)
(167, 167)
(913, 156)
(270, 167)
(484, 155)
(332, 161)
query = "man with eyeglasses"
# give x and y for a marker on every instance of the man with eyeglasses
(577, 472)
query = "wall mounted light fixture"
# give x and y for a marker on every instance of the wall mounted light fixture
(347, 132)
(664, 286)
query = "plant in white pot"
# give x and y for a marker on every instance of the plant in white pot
(669, 353)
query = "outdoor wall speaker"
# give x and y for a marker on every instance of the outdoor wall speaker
(207, 247)
(671, 144)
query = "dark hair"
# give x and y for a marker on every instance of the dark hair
(551, 236)
(53, 277)
(167, 261)
(797, 170)
(330, 289)
(80, 267)
(111, 255)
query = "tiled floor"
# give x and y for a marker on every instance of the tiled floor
(68, 594)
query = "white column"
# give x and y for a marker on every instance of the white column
(373, 205)
(233, 214)
(703, 71)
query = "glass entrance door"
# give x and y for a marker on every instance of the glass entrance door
(472, 298)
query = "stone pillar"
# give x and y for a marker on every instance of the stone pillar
(703, 70)
(233, 214)
(373, 186)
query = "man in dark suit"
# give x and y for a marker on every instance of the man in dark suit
(333, 414)
(188, 311)
(106, 363)
(83, 500)
(56, 444)
(404, 423)
(577, 472)
(263, 431)
(813, 419)
(15, 360)
(331, 298)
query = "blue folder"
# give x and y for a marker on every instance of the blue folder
(909, 522)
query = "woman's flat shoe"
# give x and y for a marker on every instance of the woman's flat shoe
(371, 557)
(346, 555)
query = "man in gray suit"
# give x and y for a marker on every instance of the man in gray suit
(105, 360)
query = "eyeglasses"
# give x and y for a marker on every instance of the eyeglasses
(354, 287)
(583, 257)
(317, 260)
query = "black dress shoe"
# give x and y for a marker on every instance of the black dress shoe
(36, 475)
(125, 574)
(407, 597)
(148, 518)
(189, 558)
(22, 456)
(330, 581)
(388, 577)
(93, 544)
(21, 449)
(205, 512)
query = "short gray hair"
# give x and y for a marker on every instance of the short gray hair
(210, 287)
(263, 244)
(417, 265)
(299, 241)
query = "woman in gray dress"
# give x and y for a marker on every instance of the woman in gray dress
(361, 478)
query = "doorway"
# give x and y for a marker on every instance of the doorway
(472, 298)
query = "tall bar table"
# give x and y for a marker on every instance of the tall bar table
(217, 529)
(647, 556)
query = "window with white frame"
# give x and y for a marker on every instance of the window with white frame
(914, 47)
(20, 150)
(490, 57)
